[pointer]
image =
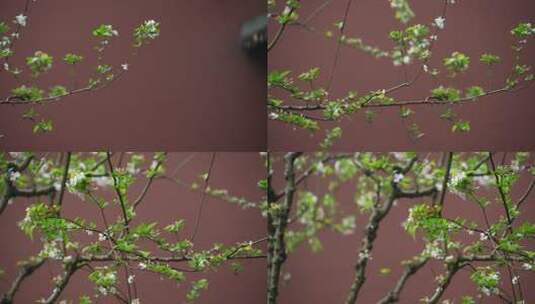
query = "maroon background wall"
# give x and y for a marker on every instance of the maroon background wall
(220, 222)
(325, 277)
(473, 27)
(192, 89)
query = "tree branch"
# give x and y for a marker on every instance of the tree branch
(26, 270)
(278, 254)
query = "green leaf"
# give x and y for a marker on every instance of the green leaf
(461, 126)
(263, 184)
(402, 9)
(167, 271)
(105, 31)
(4, 28)
(85, 300)
(145, 230)
(27, 93)
(195, 292)
(278, 78)
(43, 126)
(57, 91)
(176, 227)
(330, 137)
(40, 62)
(523, 30)
(30, 114)
(445, 94)
(474, 92)
(103, 68)
(310, 75)
(457, 62)
(489, 59)
(72, 58)
(145, 32)
(405, 112)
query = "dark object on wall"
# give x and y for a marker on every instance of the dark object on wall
(254, 36)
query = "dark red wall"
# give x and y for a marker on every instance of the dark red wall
(473, 27)
(326, 276)
(192, 89)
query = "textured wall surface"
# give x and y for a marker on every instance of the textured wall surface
(192, 89)
(473, 27)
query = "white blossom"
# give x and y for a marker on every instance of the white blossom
(365, 255)
(515, 166)
(142, 266)
(124, 66)
(527, 266)
(399, 155)
(153, 165)
(131, 279)
(514, 280)
(132, 169)
(15, 154)
(439, 22)
(434, 251)
(287, 276)
(398, 177)
(483, 236)
(150, 22)
(51, 251)
(44, 171)
(76, 178)
(320, 167)
(489, 291)
(103, 181)
(13, 176)
(457, 178)
(20, 20)
(111, 276)
(484, 180)
(103, 290)
(425, 68)
(101, 237)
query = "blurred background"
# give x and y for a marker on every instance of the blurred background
(193, 89)
(326, 276)
(502, 122)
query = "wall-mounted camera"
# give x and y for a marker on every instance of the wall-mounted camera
(253, 36)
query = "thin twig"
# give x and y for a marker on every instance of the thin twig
(203, 198)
